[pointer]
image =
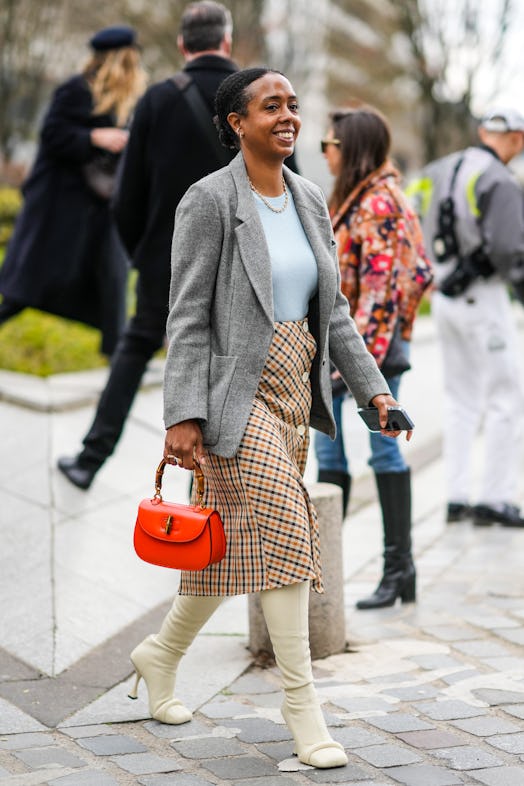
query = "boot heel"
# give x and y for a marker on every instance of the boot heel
(134, 692)
(408, 593)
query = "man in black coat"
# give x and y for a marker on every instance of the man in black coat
(168, 150)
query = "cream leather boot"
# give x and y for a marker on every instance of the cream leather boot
(286, 614)
(156, 659)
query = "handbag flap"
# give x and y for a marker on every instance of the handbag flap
(171, 522)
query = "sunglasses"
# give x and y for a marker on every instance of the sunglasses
(325, 142)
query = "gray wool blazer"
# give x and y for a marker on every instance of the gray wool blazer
(220, 324)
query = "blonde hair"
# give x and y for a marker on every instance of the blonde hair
(117, 80)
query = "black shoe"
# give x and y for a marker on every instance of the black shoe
(457, 512)
(77, 473)
(508, 516)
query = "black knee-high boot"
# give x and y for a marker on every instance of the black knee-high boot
(399, 579)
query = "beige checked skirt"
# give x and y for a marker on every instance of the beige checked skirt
(270, 524)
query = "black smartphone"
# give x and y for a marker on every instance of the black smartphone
(398, 419)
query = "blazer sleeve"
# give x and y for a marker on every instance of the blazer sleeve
(195, 258)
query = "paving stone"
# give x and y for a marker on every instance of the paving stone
(85, 778)
(208, 748)
(182, 779)
(450, 710)
(226, 709)
(358, 705)
(512, 743)
(413, 693)
(278, 751)
(399, 721)
(273, 700)
(517, 710)
(498, 697)
(348, 774)
(507, 663)
(481, 648)
(146, 763)
(276, 780)
(239, 767)
(43, 757)
(387, 755)
(467, 757)
(425, 775)
(486, 725)
(111, 745)
(170, 732)
(460, 676)
(500, 776)
(252, 683)
(77, 732)
(354, 737)
(437, 661)
(451, 632)
(515, 635)
(16, 742)
(434, 738)
(259, 730)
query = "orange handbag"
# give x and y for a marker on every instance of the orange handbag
(187, 537)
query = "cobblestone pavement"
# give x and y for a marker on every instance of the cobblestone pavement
(430, 694)
(427, 694)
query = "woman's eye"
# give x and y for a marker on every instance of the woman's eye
(272, 107)
(294, 107)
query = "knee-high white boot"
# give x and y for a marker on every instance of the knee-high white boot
(157, 657)
(286, 614)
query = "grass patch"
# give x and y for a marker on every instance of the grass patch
(42, 344)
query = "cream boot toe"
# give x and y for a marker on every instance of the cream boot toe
(286, 614)
(156, 658)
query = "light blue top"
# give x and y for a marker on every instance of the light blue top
(293, 265)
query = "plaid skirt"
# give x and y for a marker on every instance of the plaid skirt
(270, 523)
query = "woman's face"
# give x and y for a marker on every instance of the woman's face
(332, 153)
(272, 123)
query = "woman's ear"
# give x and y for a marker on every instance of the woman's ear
(234, 121)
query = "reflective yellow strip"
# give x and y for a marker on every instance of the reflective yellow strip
(422, 190)
(470, 195)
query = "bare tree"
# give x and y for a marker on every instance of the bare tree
(455, 49)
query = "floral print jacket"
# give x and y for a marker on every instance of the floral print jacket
(383, 264)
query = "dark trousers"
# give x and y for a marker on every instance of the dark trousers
(143, 336)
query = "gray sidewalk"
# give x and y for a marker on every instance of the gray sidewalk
(428, 694)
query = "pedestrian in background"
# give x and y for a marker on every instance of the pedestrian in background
(169, 149)
(65, 256)
(384, 272)
(472, 211)
(252, 257)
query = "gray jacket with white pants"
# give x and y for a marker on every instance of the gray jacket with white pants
(481, 348)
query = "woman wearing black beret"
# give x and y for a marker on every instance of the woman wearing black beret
(65, 256)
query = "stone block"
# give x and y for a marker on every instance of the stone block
(486, 725)
(467, 757)
(398, 721)
(45, 757)
(425, 775)
(208, 748)
(111, 745)
(239, 767)
(501, 776)
(146, 763)
(387, 755)
(327, 628)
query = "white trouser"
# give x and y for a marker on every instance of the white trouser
(482, 384)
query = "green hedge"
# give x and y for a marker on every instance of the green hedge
(10, 204)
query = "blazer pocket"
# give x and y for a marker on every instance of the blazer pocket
(221, 371)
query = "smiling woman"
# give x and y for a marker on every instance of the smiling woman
(255, 312)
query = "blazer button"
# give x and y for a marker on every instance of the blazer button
(301, 430)
(305, 376)
(305, 325)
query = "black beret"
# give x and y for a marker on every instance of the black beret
(113, 37)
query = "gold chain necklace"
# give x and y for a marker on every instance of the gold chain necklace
(268, 204)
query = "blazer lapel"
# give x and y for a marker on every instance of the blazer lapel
(251, 239)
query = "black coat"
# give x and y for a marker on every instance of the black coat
(166, 153)
(65, 256)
